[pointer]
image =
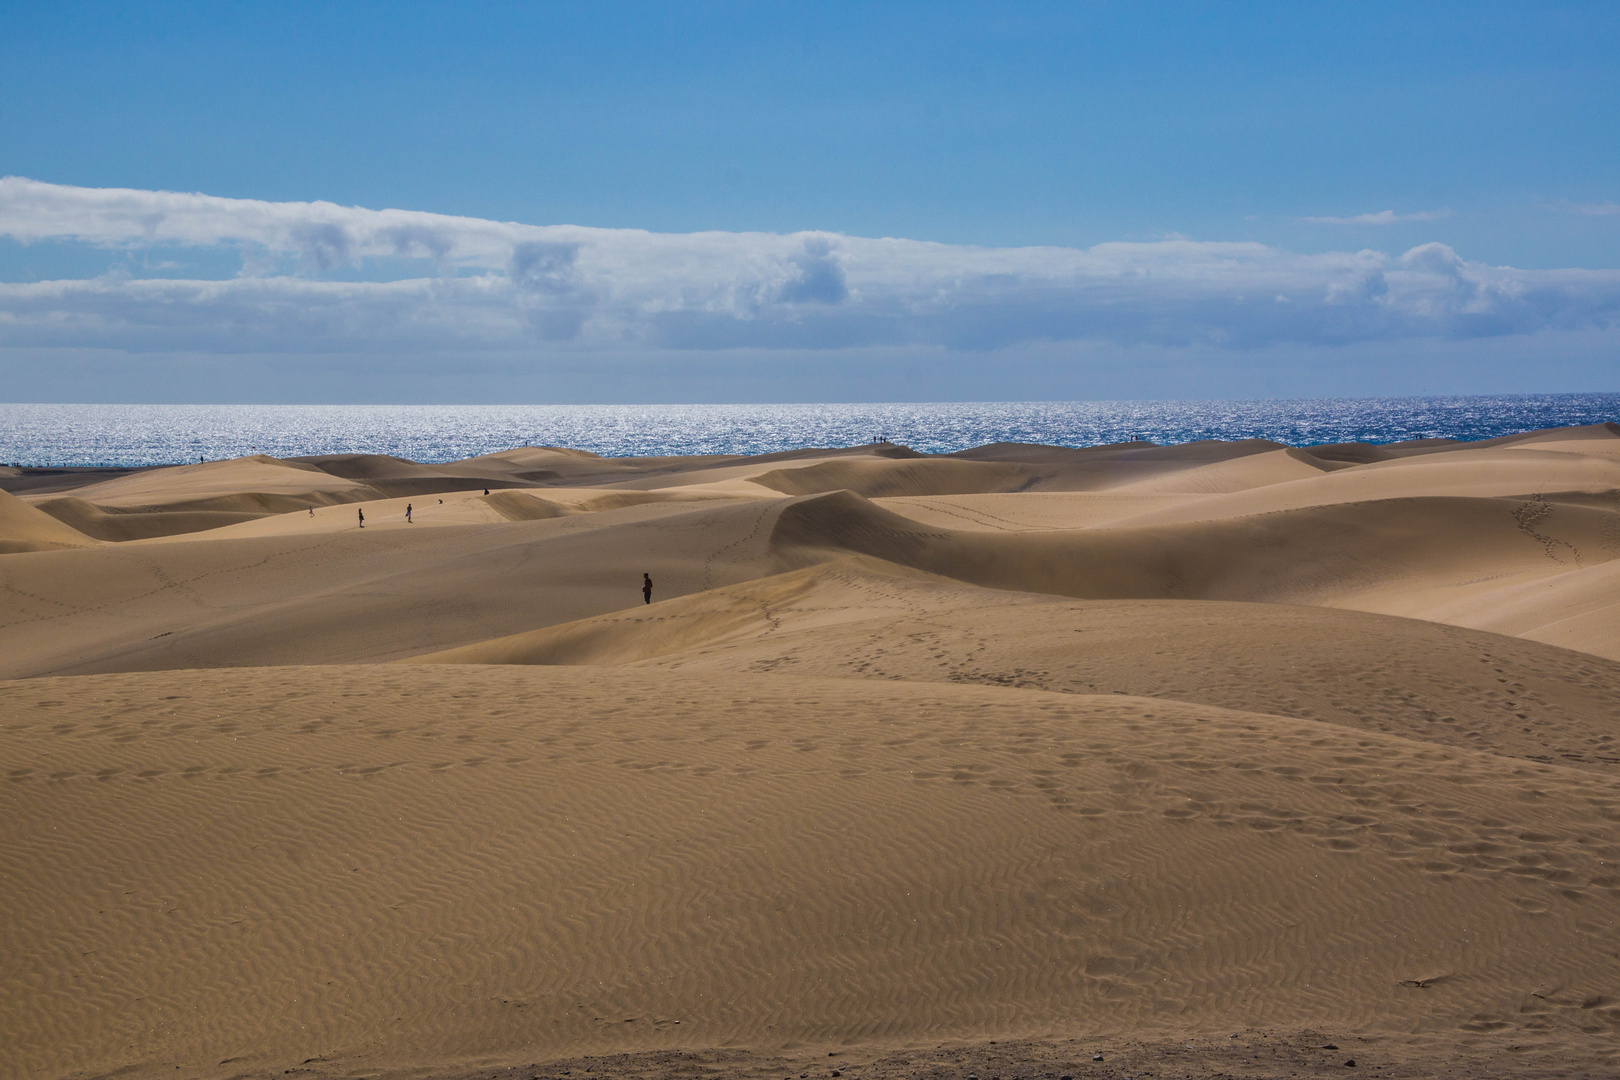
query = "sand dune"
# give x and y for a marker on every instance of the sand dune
(1133, 467)
(341, 870)
(25, 528)
(874, 478)
(211, 495)
(45, 480)
(1315, 555)
(1238, 474)
(862, 619)
(1586, 439)
(345, 595)
(1123, 458)
(1504, 473)
(1026, 511)
(140, 523)
(1141, 747)
(1576, 609)
(187, 484)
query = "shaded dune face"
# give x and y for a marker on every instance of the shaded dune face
(906, 753)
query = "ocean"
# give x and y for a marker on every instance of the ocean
(127, 435)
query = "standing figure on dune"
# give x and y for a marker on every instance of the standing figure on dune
(646, 589)
(362, 512)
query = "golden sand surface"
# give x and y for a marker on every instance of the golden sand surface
(1224, 759)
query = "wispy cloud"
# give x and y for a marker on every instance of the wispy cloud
(1607, 209)
(1381, 217)
(488, 285)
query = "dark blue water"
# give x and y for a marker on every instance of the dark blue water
(160, 434)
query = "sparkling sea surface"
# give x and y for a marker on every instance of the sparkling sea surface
(124, 435)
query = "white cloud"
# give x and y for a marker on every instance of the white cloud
(1607, 209)
(487, 285)
(1381, 217)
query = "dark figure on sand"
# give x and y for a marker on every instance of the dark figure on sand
(646, 589)
(362, 513)
(407, 513)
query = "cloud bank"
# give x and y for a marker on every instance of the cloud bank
(470, 284)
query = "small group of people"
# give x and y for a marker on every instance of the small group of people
(361, 511)
(881, 440)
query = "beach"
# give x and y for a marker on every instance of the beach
(1218, 758)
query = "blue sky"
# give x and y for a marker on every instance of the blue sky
(1306, 131)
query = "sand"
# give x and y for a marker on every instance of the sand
(1227, 758)
(27, 528)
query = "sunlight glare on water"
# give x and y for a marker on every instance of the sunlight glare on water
(126, 435)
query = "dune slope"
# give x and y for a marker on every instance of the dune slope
(344, 594)
(339, 870)
(25, 528)
(861, 619)
(1307, 555)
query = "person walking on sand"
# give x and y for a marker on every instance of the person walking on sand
(407, 513)
(646, 589)
(362, 512)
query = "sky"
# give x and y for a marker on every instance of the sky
(769, 202)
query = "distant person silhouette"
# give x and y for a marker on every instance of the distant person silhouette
(312, 511)
(486, 491)
(408, 513)
(646, 589)
(362, 513)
